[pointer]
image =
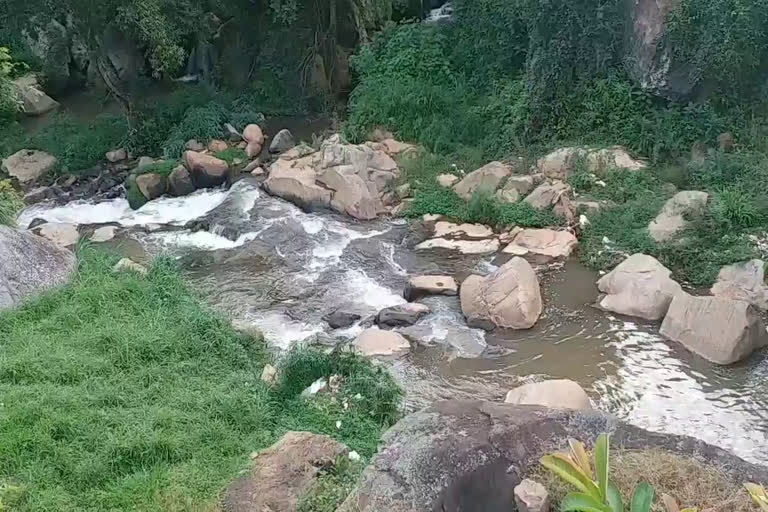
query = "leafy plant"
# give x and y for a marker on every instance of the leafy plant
(9, 104)
(595, 494)
(10, 203)
(758, 495)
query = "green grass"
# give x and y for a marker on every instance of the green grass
(122, 392)
(332, 487)
(10, 203)
(163, 168)
(229, 155)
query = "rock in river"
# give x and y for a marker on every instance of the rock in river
(401, 315)
(30, 265)
(541, 246)
(509, 297)
(556, 394)
(640, 286)
(460, 456)
(283, 473)
(720, 330)
(375, 342)
(206, 170)
(62, 234)
(340, 319)
(419, 286)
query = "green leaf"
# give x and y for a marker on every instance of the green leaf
(643, 498)
(602, 448)
(580, 502)
(566, 469)
(613, 498)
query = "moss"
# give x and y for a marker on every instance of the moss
(229, 155)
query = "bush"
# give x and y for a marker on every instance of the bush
(10, 203)
(9, 104)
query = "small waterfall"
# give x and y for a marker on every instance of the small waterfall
(442, 14)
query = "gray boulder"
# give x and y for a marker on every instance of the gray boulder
(743, 281)
(62, 234)
(720, 330)
(180, 182)
(28, 165)
(459, 456)
(639, 286)
(206, 170)
(340, 319)
(419, 286)
(557, 394)
(151, 185)
(30, 265)
(485, 179)
(672, 218)
(402, 315)
(282, 141)
(547, 195)
(34, 101)
(531, 496)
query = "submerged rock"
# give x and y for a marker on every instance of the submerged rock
(743, 281)
(470, 455)
(30, 265)
(720, 330)
(62, 234)
(556, 394)
(283, 473)
(402, 315)
(340, 319)
(28, 165)
(420, 286)
(639, 286)
(509, 298)
(672, 218)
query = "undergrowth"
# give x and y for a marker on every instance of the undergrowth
(122, 392)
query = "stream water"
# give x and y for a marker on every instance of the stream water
(271, 266)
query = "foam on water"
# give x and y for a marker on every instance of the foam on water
(202, 240)
(282, 331)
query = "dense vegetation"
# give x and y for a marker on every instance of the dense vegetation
(121, 392)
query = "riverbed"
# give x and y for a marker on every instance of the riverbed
(272, 267)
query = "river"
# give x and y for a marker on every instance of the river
(270, 266)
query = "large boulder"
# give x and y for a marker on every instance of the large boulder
(558, 164)
(672, 218)
(375, 342)
(34, 101)
(253, 134)
(639, 286)
(296, 183)
(151, 185)
(282, 141)
(514, 188)
(547, 195)
(485, 179)
(509, 297)
(420, 286)
(458, 456)
(541, 246)
(283, 473)
(720, 330)
(206, 170)
(30, 265)
(180, 182)
(556, 394)
(28, 165)
(351, 194)
(743, 281)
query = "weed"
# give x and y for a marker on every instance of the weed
(10, 203)
(229, 155)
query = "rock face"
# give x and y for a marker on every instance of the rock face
(420, 286)
(548, 194)
(743, 281)
(650, 63)
(485, 179)
(283, 473)
(180, 182)
(27, 165)
(509, 297)
(555, 394)
(531, 496)
(282, 141)
(561, 162)
(30, 265)
(541, 246)
(206, 170)
(640, 286)
(459, 456)
(402, 315)
(351, 179)
(374, 342)
(720, 330)
(151, 185)
(62, 234)
(672, 220)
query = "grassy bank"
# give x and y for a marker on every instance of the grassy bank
(122, 392)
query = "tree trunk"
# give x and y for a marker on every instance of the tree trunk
(112, 81)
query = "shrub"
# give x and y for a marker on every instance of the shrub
(9, 104)
(10, 203)
(229, 155)
(202, 123)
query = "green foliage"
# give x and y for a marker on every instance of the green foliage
(331, 487)
(122, 392)
(10, 203)
(9, 104)
(163, 168)
(133, 195)
(229, 155)
(201, 123)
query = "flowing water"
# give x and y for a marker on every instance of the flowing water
(271, 266)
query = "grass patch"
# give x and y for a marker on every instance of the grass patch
(332, 487)
(10, 203)
(122, 392)
(163, 168)
(685, 479)
(229, 155)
